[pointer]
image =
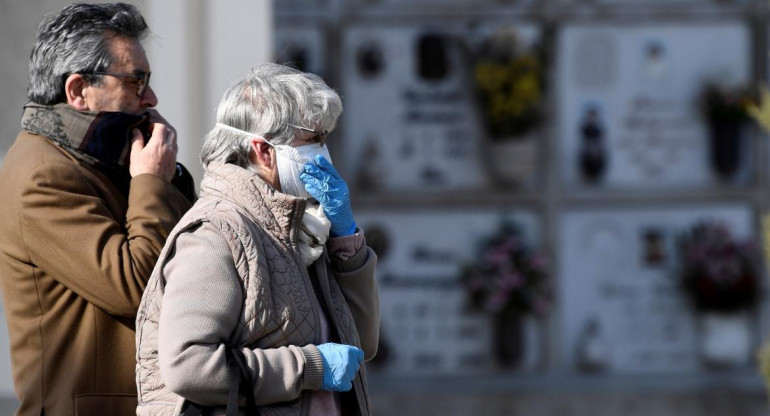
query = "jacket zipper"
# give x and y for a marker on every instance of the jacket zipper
(358, 383)
(304, 407)
(332, 320)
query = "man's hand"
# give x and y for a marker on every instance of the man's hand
(155, 117)
(158, 155)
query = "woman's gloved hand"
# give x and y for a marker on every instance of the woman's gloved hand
(324, 184)
(341, 362)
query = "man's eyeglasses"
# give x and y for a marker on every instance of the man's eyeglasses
(320, 136)
(142, 80)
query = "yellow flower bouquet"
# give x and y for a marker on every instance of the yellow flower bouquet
(509, 85)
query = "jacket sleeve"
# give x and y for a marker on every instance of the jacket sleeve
(356, 278)
(72, 235)
(201, 308)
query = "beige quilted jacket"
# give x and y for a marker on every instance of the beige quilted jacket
(278, 324)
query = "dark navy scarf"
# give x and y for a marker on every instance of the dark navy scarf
(102, 140)
(99, 139)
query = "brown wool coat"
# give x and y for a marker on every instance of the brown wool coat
(75, 257)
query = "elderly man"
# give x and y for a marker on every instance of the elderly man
(88, 202)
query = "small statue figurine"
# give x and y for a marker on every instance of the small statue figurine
(591, 350)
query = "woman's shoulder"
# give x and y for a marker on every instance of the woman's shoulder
(224, 217)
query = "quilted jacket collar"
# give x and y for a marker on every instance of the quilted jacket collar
(280, 213)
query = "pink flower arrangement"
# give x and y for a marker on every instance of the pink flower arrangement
(508, 274)
(718, 272)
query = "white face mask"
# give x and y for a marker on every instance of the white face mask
(291, 162)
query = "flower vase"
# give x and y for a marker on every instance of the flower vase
(726, 142)
(511, 161)
(532, 344)
(593, 161)
(725, 339)
(507, 338)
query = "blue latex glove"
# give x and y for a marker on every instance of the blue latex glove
(324, 184)
(341, 363)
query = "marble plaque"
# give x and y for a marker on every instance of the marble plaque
(409, 120)
(618, 286)
(628, 99)
(425, 325)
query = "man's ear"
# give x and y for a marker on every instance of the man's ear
(260, 153)
(74, 88)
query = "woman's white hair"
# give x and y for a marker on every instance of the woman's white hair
(267, 103)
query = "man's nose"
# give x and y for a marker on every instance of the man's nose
(150, 99)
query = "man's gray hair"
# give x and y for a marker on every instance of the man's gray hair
(267, 103)
(76, 40)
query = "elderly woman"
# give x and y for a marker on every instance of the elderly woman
(267, 270)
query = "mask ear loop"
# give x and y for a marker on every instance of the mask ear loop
(233, 129)
(283, 149)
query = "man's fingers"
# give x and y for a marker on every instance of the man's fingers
(155, 117)
(137, 141)
(155, 133)
(162, 135)
(157, 156)
(170, 138)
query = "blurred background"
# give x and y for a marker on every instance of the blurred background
(566, 196)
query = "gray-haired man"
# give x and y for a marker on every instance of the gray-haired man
(88, 201)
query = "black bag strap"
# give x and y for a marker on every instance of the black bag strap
(239, 378)
(247, 385)
(234, 375)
